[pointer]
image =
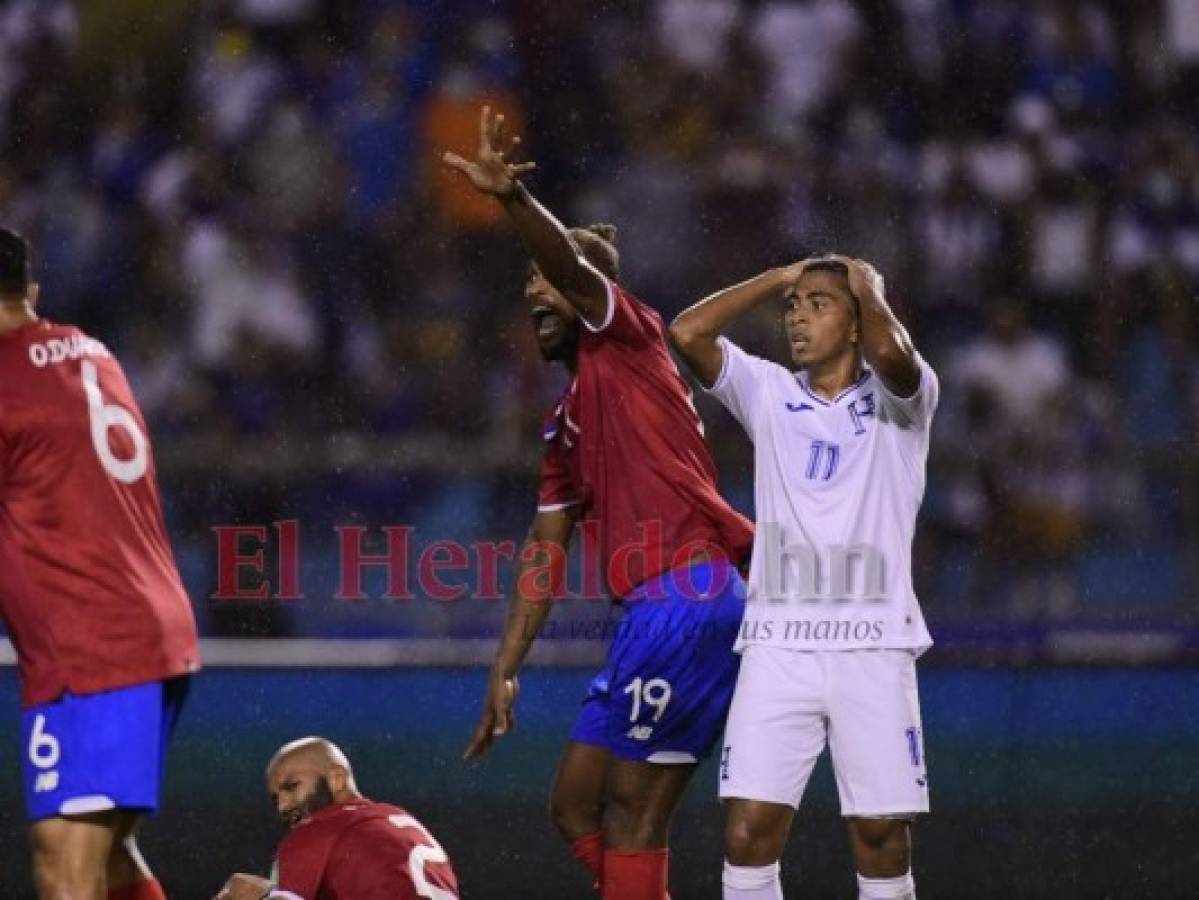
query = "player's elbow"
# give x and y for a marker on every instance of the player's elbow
(897, 367)
(697, 347)
(686, 337)
(885, 355)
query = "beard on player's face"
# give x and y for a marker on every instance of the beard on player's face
(313, 802)
(555, 322)
(557, 340)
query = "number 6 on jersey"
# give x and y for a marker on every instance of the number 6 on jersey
(104, 417)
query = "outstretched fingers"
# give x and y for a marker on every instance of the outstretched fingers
(484, 130)
(454, 161)
(497, 133)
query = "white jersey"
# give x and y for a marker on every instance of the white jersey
(837, 485)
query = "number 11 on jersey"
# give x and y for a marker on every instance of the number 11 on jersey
(822, 461)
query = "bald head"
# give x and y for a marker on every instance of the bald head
(307, 775)
(316, 751)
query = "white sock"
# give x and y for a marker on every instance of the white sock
(752, 882)
(901, 888)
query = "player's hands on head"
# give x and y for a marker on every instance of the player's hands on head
(864, 279)
(244, 887)
(793, 272)
(491, 171)
(498, 716)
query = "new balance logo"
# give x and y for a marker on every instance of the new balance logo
(799, 407)
(46, 782)
(640, 732)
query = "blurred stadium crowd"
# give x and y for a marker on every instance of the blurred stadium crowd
(243, 199)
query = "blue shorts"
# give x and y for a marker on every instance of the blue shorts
(89, 753)
(664, 693)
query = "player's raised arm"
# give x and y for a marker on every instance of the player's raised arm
(539, 575)
(544, 237)
(885, 342)
(695, 331)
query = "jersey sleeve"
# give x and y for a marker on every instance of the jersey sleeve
(5, 466)
(556, 489)
(740, 384)
(300, 866)
(626, 318)
(914, 412)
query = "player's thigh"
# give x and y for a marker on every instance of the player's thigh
(875, 733)
(577, 794)
(640, 801)
(776, 727)
(73, 851)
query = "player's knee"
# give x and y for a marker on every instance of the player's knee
(631, 821)
(573, 817)
(750, 841)
(881, 846)
(881, 834)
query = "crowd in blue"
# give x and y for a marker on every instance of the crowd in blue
(243, 199)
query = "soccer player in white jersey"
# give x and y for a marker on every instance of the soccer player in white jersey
(832, 628)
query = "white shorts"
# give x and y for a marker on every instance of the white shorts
(865, 702)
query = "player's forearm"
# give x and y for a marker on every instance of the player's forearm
(695, 331)
(711, 317)
(886, 344)
(538, 578)
(550, 247)
(524, 623)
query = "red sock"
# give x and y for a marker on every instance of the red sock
(589, 851)
(139, 890)
(636, 874)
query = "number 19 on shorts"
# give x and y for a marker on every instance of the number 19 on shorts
(654, 693)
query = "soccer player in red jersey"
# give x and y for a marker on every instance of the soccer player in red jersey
(104, 633)
(342, 846)
(624, 448)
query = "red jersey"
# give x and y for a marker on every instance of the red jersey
(362, 850)
(626, 443)
(89, 589)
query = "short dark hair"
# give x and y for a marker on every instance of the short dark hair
(825, 263)
(597, 244)
(14, 264)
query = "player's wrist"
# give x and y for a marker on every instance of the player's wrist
(501, 674)
(783, 277)
(516, 193)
